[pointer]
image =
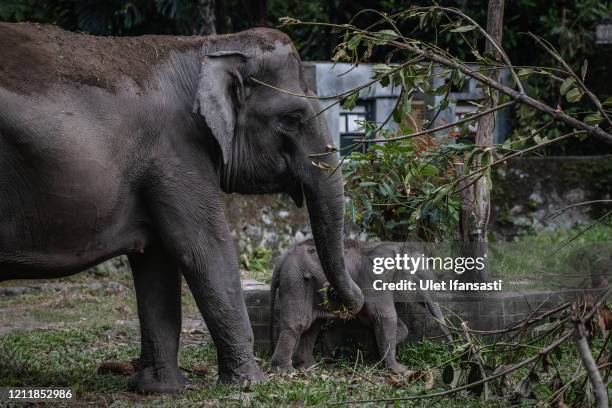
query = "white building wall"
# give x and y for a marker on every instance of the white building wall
(329, 79)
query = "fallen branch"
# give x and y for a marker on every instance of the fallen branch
(515, 367)
(599, 388)
(438, 56)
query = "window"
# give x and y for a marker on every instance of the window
(462, 111)
(349, 128)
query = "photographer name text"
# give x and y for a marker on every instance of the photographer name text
(428, 284)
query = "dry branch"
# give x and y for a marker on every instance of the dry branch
(518, 96)
(599, 388)
(510, 369)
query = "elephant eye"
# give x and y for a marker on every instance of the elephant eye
(290, 122)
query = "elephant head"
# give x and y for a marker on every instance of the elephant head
(266, 138)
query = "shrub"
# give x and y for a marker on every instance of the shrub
(394, 189)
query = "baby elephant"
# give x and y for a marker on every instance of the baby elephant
(299, 280)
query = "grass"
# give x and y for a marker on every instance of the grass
(59, 338)
(70, 357)
(553, 260)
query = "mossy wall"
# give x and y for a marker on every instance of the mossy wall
(527, 191)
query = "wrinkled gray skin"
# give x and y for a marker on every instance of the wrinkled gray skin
(90, 172)
(299, 279)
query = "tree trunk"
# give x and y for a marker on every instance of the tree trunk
(206, 8)
(476, 200)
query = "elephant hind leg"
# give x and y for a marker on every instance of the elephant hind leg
(158, 291)
(402, 332)
(303, 356)
(385, 331)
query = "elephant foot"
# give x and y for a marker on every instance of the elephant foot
(281, 368)
(157, 381)
(248, 372)
(397, 368)
(304, 364)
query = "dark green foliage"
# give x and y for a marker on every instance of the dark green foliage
(570, 28)
(395, 190)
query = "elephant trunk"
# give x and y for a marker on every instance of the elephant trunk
(325, 202)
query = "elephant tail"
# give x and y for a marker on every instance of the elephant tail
(273, 288)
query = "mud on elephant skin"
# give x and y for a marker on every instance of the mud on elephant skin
(299, 280)
(123, 146)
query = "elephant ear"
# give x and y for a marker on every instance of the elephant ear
(220, 92)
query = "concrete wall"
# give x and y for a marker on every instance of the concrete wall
(492, 311)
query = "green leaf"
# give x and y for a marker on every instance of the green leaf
(405, 129)
(573, 95)
(463, 29)
(384, 36)
(456, 77)
(428, 170)
(423, 20)
(525, 386)
(384, 81)
(525, 72)
(442, 90)
(567, 84)
(350, 101)
(406, 102)
(544, 327)
(593, 119)
(397, 115)
(354, 42)
(607, 103)
(381, 68)
(367, 184)
(480, 105)
(583, 69)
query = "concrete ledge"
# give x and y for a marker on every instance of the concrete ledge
(491, 312)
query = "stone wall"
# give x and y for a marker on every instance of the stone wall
(527, 191)
(492, 311)
(271, 221)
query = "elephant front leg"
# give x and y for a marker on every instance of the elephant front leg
(291, 329)
(287, 340)
(215, 284)
(158, 292)
(190, 220)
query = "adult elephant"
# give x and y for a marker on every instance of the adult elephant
(114, 146)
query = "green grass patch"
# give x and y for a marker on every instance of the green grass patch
(567, 258)
(69, 358)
